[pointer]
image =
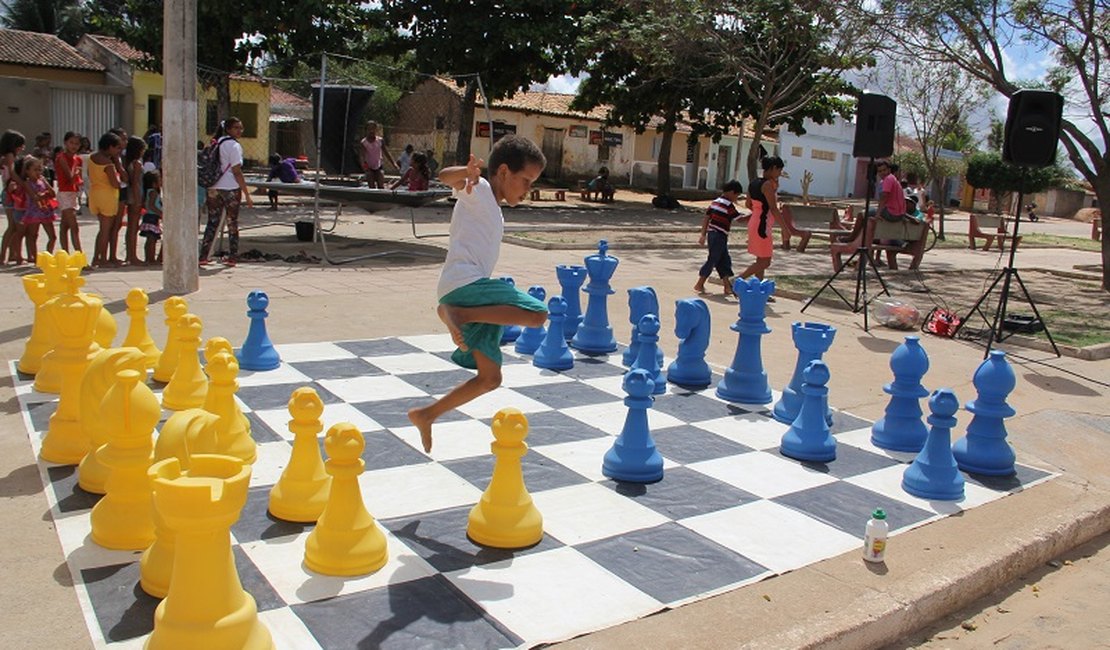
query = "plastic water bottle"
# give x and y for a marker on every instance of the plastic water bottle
(874, 539)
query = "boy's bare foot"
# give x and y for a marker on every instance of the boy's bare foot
(447, 315)
(418, 419)
(700, 288)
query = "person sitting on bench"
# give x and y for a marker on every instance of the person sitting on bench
(600, 188)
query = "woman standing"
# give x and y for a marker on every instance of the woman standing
(225, 194)
(763, 199)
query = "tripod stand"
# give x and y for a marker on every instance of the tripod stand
(863, 259)
(1010, 272)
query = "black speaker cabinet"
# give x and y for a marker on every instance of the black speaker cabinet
(1032, 128)
(874, 126)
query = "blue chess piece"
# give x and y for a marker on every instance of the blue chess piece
(901, 428)
(258, 352)
(641, 301)
(809, 438)
(691, 326)
(509, 333)
(649, 344)
(595, 336)
(746, 381)
(933, 474)
(984, 449)
(570, 279)
(633, 456)
(531, 337)
(553, 353)
(812, 341)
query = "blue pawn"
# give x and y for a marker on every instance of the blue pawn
(641, 301)
(746, 381)
(812, 340)
(531, 337)
(633, 456)
(901, 428)
(933, 474)
(649, 344)
(691, 326)
(570, 279)
(509, 333)
(984, 449)
(553, 353)
(808, 438)
(595, 336)
(258, 352)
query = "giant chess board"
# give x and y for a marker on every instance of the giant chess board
(729, 511)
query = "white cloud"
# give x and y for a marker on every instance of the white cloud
(564, 83)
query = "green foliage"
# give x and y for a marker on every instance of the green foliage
(63, 18)
(988, 170)
(997, 135)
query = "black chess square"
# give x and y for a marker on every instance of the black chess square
(691, 407)
(260, 431)
(591, 368)
(379, 348)
(71, 498)
(848, 507)
(686, 444)
(438, 383)
(337, 369)
(850, 461)
(847, 422)
(382, 450)
(564, 394)
(554, 427)
(256, 523)
(540, 472)
(394, 413)
(276, 396)
(683, 493)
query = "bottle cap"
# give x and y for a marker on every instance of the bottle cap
(878, 514)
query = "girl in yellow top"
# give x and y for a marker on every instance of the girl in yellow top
(104, 192)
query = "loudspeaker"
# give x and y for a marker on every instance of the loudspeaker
(1032, 128)
(874, 126)
(344, 109)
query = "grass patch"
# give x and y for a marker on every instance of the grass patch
(1059, 241)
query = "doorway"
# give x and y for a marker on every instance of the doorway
(553, 151)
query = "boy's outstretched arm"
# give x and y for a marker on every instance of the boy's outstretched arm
(462, 177)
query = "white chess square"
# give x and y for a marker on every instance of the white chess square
(516, 375)
(775, 536)
(371, 389)
(612, 384)
(283, 374)
(861, 438)
(582, 456)
(585, 512)
(398, 491)
(486, 406)
(294, 352)
(750, 429)
(75, 534)
(553, 595)
(278, 419)
(458, 439)
(287, 630)
(609, 417)
(403, 364)
(888, 481)
(271, 462)
(431, 342)
(762, 474)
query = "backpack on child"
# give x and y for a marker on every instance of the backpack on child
(208, 164)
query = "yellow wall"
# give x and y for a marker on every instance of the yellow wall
(145, 84)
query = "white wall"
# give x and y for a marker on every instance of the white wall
(833, 168)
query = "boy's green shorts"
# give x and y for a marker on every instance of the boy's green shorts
(485, 337)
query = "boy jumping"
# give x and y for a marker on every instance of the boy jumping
(473, 306)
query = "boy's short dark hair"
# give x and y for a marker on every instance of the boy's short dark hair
(733, 186)
(517, 152)
(274, 159)
(773, 162)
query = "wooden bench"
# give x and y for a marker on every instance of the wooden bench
(539, 195)
(808, 220)
(911, 233)
(989, 227)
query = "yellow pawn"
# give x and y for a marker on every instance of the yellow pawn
(234, 433)
(302, 491)
(175, 308)
(206, 606)
(138, 336)
(38, 343)
(99, 377)
(123, 519)
(505, 517)
(346, 540)
(73, 316)
(48, 378)
(188, 432)
(189, 386)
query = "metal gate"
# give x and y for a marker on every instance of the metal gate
(89, 113)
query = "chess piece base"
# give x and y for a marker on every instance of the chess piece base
(518, 526)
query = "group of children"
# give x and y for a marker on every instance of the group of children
(122, 193)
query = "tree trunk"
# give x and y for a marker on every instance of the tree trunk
(940, 198)
(663, 163)
(466, 128)
(1102, 194)
(223, 97)
(753, 153)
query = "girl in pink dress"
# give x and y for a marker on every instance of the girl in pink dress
(41, 206)
(763, 200)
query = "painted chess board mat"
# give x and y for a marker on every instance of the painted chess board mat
(729, 511)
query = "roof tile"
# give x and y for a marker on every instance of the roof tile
(42, 50)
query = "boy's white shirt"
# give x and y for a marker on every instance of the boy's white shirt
(477, 226)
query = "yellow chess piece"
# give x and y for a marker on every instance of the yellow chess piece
(99, 377)
(38, 343)
(105, 328)
(175, 308)
(123, 519)
(505, 517)
(73, 316)
(189, 386)
(234, 437)
(188, 432)
(138, 336)
(346, 540)
(206, 606)
(302, 491)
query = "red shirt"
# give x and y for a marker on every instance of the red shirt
(73, 161)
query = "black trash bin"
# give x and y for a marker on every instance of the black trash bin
(304, 230)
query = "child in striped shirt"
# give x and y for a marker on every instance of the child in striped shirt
(714, 234)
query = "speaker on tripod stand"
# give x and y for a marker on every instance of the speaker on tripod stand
(874, 138)
(1030, 136)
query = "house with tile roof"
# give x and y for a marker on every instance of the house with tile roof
(48, 85)
(576, 143)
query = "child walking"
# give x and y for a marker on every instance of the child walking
(151, 227)
(41, 206)
(472, 305)
(67, 168)
(104, 194)
(715, 228)
(763, 194)
(11, 147)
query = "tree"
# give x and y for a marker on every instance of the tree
(504, 46)
(232, 38)
(63, 18)
(974, 34)
(988, 170)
